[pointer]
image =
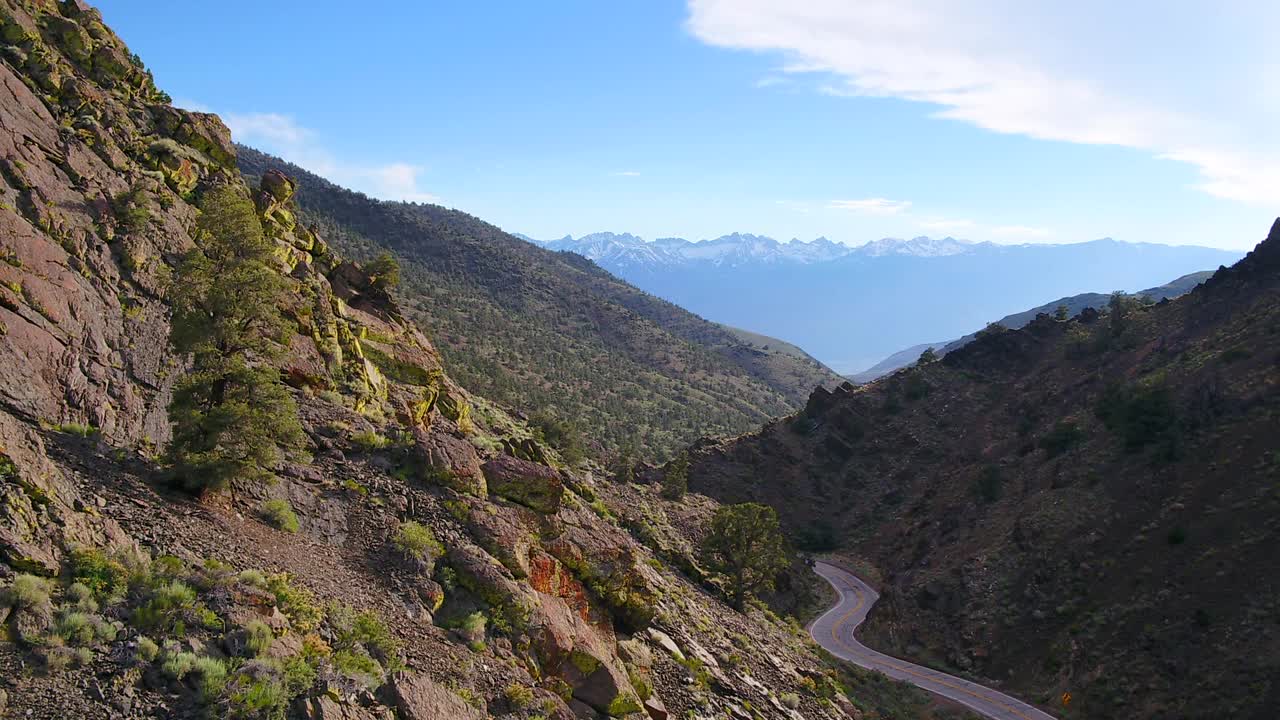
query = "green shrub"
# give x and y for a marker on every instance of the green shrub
(473, 624)
(258, 698)
(107, 578)
(299, 674)
(258, 638)
(561, 434)
(365, 630)
(104, 630)
(297, 603)
(989, 485)
(75, 628)
(624, 704)
(253, 578)
(146, 650)
(819, 536)
(1142, 415)
(212, 680)
(358, 666)
(1064, 436)
(790, 701)
(78, 594)
(279, 515)
(370, 441)
(417, 541)
(59, 658)
(177, 664)
(27, 591)
(215, 574)
(167, 609)
(84, 431)
(519, 696)
(640, 683)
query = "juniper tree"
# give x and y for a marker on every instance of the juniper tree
(232, 416)
(385, 271)
(675, 481)
(745, 545)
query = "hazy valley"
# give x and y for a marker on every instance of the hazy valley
(853, 306)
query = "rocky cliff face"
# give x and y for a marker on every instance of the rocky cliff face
(1083, 506)
(431, 560)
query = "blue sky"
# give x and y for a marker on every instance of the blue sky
(986, 120)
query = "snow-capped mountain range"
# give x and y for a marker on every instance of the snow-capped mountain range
(624, 250)
(851, 307)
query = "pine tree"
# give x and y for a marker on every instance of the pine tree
(745, 545)
(232, 416)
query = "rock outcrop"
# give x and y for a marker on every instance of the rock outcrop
(416, 697)
(535, 486)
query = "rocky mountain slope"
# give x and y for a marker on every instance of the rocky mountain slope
(1085, 506)
(882, 296)
(1074, 305)
(425, 558)
(537, 329)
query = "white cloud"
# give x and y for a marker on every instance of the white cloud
(269, 127)
(871, 206)
(397, 181)
(1183, 81)
(282, 135)
(626, 173)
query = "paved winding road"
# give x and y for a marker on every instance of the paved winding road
(834, 631)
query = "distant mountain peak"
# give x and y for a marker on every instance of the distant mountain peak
(731, 250)
(922, 246)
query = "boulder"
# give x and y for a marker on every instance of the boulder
(535, 486)
(449, 461)
(665, 642)
(280, 186)
(653, 705)
(326, 708)
(430, 593)
(69, 37)
(31, 622)
(203, 131)
(484, 576)
(525, 449)
(417, 697)
(611, 565)
(582, 655)
(508, 533)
